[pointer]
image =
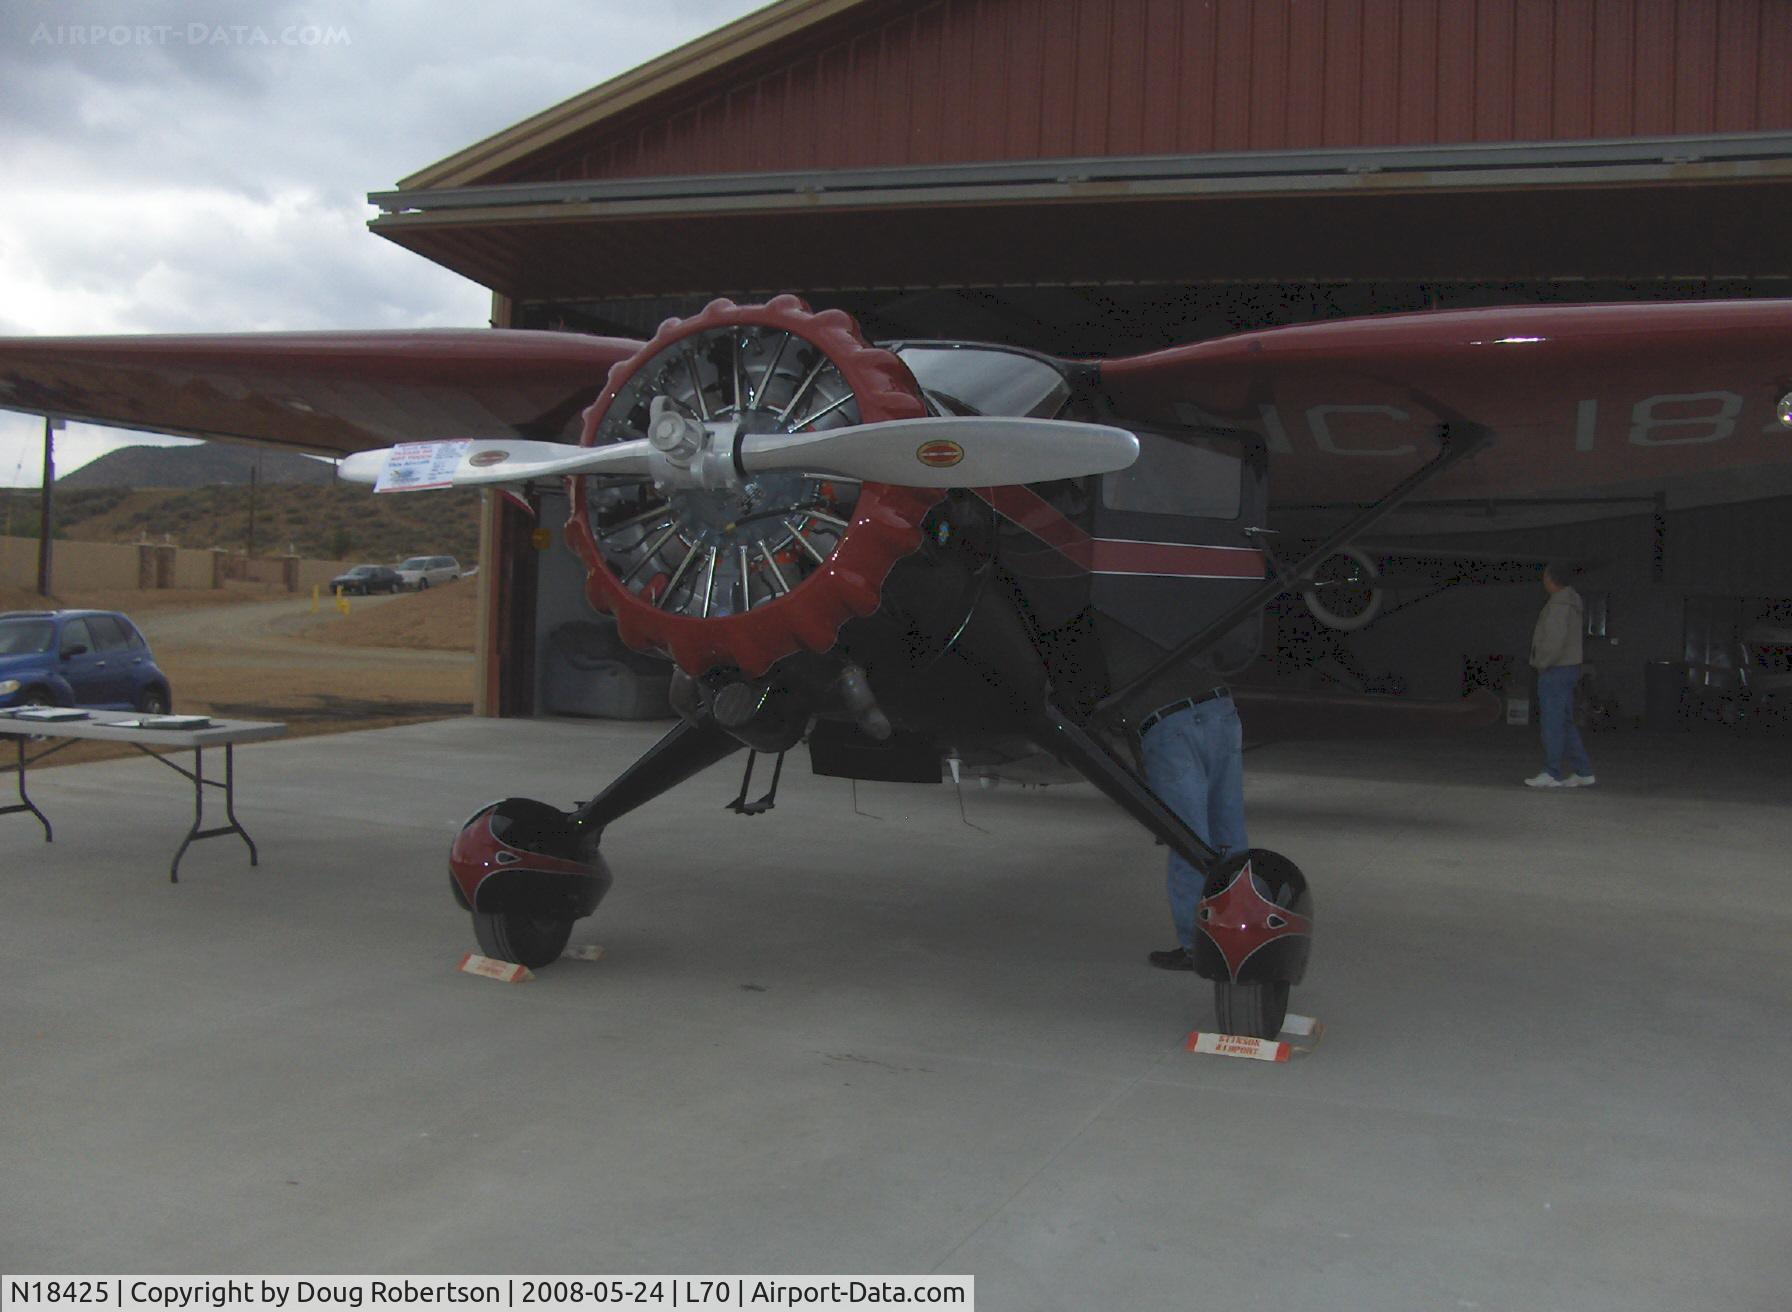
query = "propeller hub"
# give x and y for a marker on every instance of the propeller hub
(676, 435)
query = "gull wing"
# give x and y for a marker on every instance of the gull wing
(1582, 398)
(324, 392)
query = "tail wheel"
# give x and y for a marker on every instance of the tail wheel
(1254, 1010)
(746, 577)
(529, 940)
(1344, 592)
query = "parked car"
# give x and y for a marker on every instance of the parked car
(420, 572)
(365, 579)
(78, 658)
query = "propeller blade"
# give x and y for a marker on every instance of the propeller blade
(951, 451)
(485, 462)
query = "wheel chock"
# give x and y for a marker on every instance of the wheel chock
(490, 968)
(584, 952)
(1242, 1045)
(1302, 1027)
(1237, 1045)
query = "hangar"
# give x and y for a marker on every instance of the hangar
(1108, 177)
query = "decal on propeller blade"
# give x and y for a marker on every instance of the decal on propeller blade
(939, 453)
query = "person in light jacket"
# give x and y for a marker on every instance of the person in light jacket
(1556, 656)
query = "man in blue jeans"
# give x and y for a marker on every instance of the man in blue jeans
(1194, 762)
(1556, 656)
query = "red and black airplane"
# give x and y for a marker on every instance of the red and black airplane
(921, 552)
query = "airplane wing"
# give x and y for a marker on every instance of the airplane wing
(1582, 398)
(325, 392)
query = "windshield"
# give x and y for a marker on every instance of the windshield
(364, 569)
(25, 637)
(987, 381)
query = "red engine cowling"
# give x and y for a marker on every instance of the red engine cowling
(745, 576)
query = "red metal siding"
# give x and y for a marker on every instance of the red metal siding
(964, 80)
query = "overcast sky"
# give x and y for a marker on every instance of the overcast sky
(204, 166)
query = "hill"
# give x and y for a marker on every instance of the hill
(326, 522)
(207, 464)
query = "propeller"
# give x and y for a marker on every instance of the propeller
(948, 451)
(488, 461)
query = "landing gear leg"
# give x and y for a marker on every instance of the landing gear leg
(1238, 923)
(689, 748)
(526, 870)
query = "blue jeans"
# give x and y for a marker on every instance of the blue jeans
(1194, 762)
(1555, 714)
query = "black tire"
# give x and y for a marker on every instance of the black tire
(422, 585)
(532, 941)
(36, 697)
(1254, 1010)
(153, 700)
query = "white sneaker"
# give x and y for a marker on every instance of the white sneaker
(1579, 781)
(1545, 780)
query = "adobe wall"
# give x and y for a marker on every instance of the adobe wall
(117, 567)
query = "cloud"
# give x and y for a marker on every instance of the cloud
(199, 165)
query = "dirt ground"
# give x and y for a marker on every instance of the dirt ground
(248, 654)
(439, 619)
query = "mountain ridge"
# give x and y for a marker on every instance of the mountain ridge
(206, 464)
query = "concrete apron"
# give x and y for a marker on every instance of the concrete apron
(1553, 1072)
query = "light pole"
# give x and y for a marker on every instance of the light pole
(46, 528)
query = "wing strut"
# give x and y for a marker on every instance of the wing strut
(1456, 443)
(1071, 743)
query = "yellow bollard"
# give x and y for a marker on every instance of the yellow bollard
(342, 601)
(315, 589)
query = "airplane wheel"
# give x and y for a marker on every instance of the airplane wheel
(1344, 593)
(1254, 1010)
(532, 941)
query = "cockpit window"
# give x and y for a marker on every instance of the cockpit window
(987, 381)
(1190, 474)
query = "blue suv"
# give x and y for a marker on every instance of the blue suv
(78, 658)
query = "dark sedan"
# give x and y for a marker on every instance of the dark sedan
(365, 579)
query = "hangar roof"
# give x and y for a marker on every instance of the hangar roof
(808, 85)
(695, 63)
(821, 144)
(1688, 206)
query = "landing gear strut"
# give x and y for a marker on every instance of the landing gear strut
(526, 870)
